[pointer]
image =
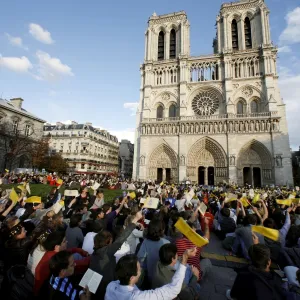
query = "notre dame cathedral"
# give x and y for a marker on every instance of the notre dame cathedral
(217, 117)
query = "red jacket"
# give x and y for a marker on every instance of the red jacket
(42, 271)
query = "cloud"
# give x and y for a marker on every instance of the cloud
(52, 93)
(290, 91)
(284, 49)
(126, 134)
(40, 34)
(132, 106)
(291, 33)
(51, 68)
(16, 64)
(16, 41)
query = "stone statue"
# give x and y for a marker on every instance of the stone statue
(268, 126)
(182, 160)
(232, 160)
(278, 161)
(246, 126)
(142, 160)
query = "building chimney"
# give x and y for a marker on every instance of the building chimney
(74, 123)
(89, 124)
(16, 102)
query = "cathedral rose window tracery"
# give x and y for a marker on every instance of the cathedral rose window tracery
(205, 103)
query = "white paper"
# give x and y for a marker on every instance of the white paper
(71, 193)
(202, 208)
(96, 186)
(143, 200)
(92, 280)
(151, 203)
(189, 196)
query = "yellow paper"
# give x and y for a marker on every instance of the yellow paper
(272, 234)
(151, 203)
(28, 188)
(292, 196)
(186, 230)
(21, 187)
(132, 195)
(256, 198)
(287, 202)
(59, 181)
(34, 199)
(162, 183)
(296, 200)
(6, 170)
(244, 202)
(13, 196)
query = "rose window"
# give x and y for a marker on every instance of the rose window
(205, 103)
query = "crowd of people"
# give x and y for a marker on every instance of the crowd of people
(47, 246)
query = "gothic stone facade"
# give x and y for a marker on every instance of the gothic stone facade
(212, 118)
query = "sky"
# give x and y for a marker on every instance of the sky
(79, 60)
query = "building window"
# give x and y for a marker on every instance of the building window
(159, 112)
(82, 166)
(27, 130)
(234, 35)
(161, 46)
(172, 44)
(254, 106)
(15, 126)
(172, 111)
(248, 38)
(241, 108)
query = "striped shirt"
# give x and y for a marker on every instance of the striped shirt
(183, 244)
(62, 288)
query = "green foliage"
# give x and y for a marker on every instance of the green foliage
(43, 190)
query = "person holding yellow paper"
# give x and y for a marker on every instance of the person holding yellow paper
(190, 240)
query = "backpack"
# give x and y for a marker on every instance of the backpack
(21, 282)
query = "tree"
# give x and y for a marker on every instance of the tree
(16, 141)
(56, 163)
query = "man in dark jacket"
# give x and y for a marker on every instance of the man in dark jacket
(257, 281)
(166, 268)
(103, 259)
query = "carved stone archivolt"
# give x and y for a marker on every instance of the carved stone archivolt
(255, 154)
(162, 157)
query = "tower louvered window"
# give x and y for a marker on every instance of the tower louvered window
(172, 44)
(234, 35)
(161, 46)
(248, 37)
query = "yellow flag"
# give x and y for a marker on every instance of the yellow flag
(272, 234)
(162, 183)
(186, 230)
(132, 195)
(13, 196)
(34, 199)
(287, 202)
(62, 203)
(244, 202)
(256, 198)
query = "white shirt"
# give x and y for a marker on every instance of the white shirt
(88, 242)
(115, 291)
(133, 239)
(124, 250)
(98, 203)
(34, 259)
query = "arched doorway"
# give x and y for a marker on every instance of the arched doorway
(254, 165)
(206, 162)
(201, 175)
(163, 164)
(211, 175)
